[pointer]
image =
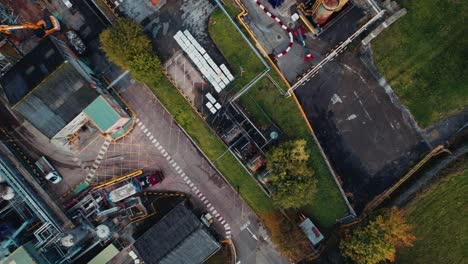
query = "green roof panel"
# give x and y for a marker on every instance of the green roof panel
(105, 256)
(20, 255)
(102, 114)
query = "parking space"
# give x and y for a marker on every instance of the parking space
(369, 140)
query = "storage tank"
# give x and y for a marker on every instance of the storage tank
(324, 10)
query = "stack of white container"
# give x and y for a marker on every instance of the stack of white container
(212, 104)
(219, 77)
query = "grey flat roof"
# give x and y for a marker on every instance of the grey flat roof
(46, 89)
(57, 100)
(179, 237)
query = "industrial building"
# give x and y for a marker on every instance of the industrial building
(179, 237)
(58, 94)
(30, 226)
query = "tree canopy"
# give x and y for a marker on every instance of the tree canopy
(288, 237)
(292, 177)
(126, 45)
(377, 239)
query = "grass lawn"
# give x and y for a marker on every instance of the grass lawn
(263, 98)
(235, 49)
(425, 59)
(439, 217)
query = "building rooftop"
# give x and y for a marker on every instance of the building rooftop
(101, 113)
(179, 237)
(46, 89)
(105, 256)
(31, 70)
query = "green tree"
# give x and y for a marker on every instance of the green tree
(126, 45)
(292, 177)
(145, 67)
(378, 238)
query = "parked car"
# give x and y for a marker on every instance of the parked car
(49, 171)
(76, 42)
(151, 179)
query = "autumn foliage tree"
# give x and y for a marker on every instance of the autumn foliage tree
(378, 238)
(126, 45)
(288, 237)
(292, 177)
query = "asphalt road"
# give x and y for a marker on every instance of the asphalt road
(250, 239)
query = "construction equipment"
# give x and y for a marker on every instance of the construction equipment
(42, 28)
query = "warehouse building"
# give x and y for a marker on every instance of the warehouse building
(58, 94)
(179, 237)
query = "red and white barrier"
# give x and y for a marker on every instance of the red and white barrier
(288, 30)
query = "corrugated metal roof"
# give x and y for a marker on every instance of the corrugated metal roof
(57, 100)
(31, 70)
(179, 237)
(101, 113)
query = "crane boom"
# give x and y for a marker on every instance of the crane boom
(42, 28)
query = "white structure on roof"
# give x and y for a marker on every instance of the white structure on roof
(212, 104)
(218, 76)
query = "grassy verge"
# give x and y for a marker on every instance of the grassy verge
(243, 61)
(439, 217)
(263, 102)
(424, 57)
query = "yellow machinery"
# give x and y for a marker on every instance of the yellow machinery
(42, 28)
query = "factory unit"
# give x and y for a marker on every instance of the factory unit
(29, 227)
(58, 94)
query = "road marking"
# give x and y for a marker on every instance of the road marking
(183, 175)
(252, 234)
